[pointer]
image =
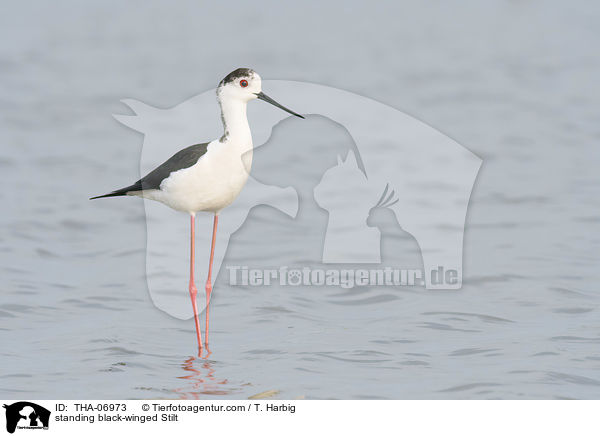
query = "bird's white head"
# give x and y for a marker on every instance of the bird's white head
(243, 85)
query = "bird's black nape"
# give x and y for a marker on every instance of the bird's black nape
(236, 74)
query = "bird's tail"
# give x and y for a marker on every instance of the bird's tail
(110, 194)
(117, 193)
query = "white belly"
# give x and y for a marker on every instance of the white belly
(211, 184)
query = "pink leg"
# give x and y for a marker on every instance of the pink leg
(208, 280)
(193, 290)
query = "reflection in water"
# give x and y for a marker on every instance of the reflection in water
(201, 377)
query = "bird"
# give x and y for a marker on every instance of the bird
(207, 177)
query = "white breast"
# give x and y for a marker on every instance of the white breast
(212, 183)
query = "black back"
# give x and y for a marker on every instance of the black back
(182, 159)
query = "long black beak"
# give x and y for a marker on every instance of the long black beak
(264, 97)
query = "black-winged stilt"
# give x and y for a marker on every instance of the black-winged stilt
(208, 177)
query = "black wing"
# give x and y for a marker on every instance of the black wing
(182, 159)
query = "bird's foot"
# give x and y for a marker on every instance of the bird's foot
(193, 294)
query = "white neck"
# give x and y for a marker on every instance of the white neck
(235, 123)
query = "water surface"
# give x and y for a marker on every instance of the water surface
(515, 82)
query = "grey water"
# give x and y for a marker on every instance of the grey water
(515, 82)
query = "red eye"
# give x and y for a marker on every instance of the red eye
(243, 83)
